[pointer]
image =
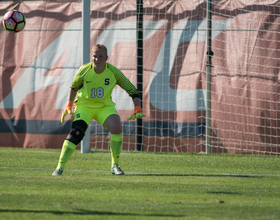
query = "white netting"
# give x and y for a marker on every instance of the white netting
(244, 77)
(38, 64)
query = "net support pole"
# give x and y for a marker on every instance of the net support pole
(139, 34)
(85, 144)
(208, 76)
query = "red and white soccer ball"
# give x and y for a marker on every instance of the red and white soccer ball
(14, 21)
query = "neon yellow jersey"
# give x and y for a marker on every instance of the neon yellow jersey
(95, 90)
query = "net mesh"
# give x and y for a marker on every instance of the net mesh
(244, 77)
(245, 116)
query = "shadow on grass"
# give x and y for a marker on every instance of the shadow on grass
(202, 175)
(87, 212)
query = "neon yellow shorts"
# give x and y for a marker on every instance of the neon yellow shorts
(98, 114)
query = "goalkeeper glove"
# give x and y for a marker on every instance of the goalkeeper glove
(137, 113)
(67, 110)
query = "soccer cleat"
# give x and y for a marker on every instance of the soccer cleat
(58, 172)
(116, 170)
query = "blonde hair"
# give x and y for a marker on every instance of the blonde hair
(97, 47)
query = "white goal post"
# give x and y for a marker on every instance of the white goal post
(85, 144)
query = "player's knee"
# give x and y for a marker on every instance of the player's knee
(77, 133)
(113, 124)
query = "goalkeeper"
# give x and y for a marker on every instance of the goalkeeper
(94, 83)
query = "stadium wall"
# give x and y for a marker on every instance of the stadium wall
(38, 64)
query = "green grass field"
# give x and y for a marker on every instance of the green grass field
(156, 186)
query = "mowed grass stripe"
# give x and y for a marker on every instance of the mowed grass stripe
(156, 186)
(156, 174)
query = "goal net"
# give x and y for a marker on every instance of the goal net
(161, 47)
(245, 116)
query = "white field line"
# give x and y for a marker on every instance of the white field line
(152, 154)
(68, 170)
(151, 174)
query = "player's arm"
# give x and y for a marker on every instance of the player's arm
(137, 101)
(125, 84)
(131, 90)
(76, 84)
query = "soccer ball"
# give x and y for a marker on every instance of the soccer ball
(14, 21)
